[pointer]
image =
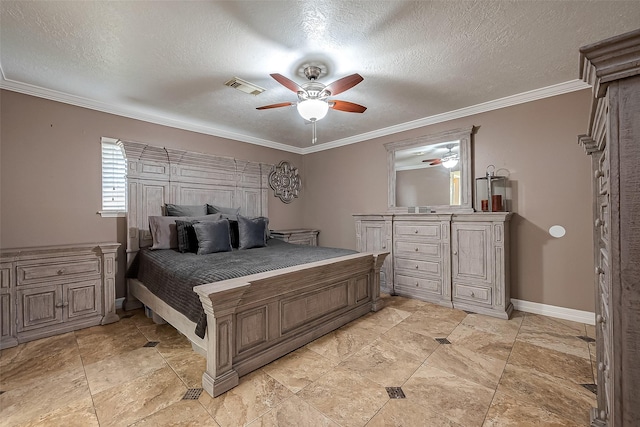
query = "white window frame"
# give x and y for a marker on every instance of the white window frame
(113, 169)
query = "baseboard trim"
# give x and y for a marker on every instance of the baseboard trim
(587, 317)
(119, 302)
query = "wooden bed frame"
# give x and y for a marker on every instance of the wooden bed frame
(251, 320)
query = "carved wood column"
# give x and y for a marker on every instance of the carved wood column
(376, 302)
(220, 375)
(108, 255)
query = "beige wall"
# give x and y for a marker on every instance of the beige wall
(50, 172)
(424, 186)
(50, 183)
(550, 184)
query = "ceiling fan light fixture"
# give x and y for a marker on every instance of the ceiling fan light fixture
(450, 162)
(313, 109)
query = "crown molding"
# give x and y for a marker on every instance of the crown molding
(533, 95)
(155, 118)
(508, 101)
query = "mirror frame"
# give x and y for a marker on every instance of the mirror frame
(463, 135)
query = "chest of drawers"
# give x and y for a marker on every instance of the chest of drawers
(455, 260)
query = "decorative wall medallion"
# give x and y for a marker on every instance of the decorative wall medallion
(285, 182)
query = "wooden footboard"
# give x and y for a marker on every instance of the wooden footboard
(253, 320)
(256, 319)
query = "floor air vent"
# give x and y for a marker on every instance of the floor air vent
(591, 387)
(395, 393)
(151, 343)
(443, 341)
(586, 339)
(193, 394)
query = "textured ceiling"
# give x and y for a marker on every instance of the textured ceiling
(168, 61)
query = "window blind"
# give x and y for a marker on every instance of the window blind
(114, 170)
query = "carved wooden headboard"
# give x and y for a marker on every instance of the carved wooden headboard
(158, 175)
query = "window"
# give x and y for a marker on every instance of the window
(114, 170)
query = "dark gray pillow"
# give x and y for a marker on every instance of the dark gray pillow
(252, 232)
(213, 236)
(187, 239)
(185, 210)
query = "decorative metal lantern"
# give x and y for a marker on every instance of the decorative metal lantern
(491, 192)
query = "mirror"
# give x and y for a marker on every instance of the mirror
(431, 173)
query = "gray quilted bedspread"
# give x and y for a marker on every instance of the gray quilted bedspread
(171, 275)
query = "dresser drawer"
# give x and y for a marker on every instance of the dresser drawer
(417, 286)
(81, 268)
(424, 231)
(416, 250)
(477, 294)
(419, 267)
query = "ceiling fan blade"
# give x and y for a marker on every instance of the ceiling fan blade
(343, 84)
(349, 107)
(289, 84)
(282, 104)
(435, 162)
(430, 160)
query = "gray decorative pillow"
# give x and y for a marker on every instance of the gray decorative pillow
(229, 213)
(164, 231)
(213, 236)
(185, 210)
(252, 232)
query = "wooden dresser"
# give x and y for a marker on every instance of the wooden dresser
(612, 67)
(455, 260)
(52, 290)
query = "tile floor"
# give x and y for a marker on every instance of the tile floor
(525, 371)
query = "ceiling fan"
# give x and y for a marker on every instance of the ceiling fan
(449, 160)
(313, 102)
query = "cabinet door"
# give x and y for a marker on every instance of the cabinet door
(83, 299)
(39, 306)
(472, 262)
(7, 311)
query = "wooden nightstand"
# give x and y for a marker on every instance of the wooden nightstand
(302, 236)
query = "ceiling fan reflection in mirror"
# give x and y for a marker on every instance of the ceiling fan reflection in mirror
(449, 160)
(313, 103)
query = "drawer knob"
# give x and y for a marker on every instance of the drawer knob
(598, 222)
(455, 252)
(599, 270)
(416, 249)
(600, 318)
(61, 271)
(417, 284)
(416, 267)
(473, 294)
(416, 231)
(598, 173)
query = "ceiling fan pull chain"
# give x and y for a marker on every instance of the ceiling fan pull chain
(314, 136)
